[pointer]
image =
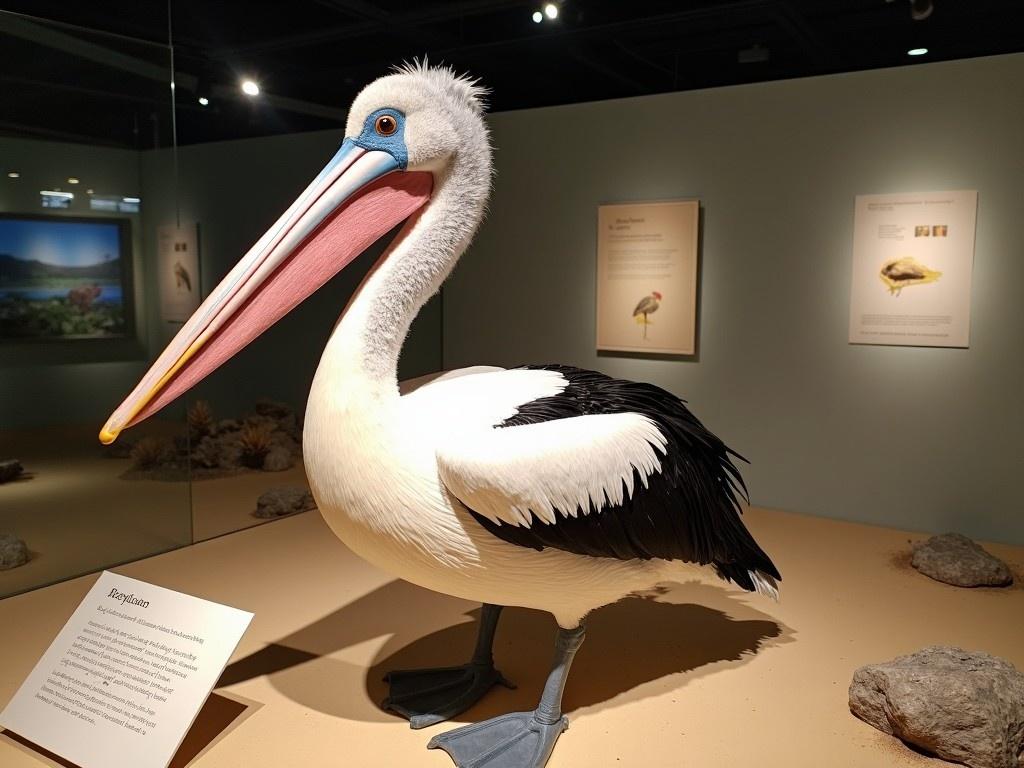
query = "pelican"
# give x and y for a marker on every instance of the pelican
(548, 487)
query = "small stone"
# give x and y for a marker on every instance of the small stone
(273, 409)
(278, 460)
(955, 559)
(287, 500)
(13, 551)
(10, 469)
(962, 706)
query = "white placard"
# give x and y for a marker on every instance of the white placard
(912, 260)
(121, 684)
(647, 277)
(178, 265)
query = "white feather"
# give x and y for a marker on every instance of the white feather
(565, 465)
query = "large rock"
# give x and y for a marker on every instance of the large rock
(10, 469)
(13, 551)
(956, 560)
(288, 500)
(962, 706)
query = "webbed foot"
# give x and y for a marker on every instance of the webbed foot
(430, 696)
(516, 740)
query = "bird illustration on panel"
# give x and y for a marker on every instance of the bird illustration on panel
(646, 306)
(546, 487)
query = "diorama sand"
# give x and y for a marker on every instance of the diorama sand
(76, 513)
(696, 675)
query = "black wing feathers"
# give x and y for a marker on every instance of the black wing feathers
(688, 511)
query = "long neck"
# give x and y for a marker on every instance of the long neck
(368, 339)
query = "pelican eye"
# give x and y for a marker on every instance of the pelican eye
(385, 125)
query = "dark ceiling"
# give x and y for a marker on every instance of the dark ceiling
(97, 71)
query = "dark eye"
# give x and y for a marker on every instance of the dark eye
(386, 125)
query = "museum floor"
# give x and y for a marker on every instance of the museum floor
(700, 675)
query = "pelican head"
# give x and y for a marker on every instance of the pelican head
(412, 137)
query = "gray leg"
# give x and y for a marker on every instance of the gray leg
(519, 739)
(429, 696)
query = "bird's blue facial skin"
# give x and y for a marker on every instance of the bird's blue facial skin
(394, 145)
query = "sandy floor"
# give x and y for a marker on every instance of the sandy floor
(77, 514)
(699, 676)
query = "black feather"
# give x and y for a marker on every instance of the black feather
(689, 511)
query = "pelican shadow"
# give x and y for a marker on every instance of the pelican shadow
(638, 647)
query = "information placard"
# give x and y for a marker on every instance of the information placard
(913, 255)
(122, 682)
(647, 277)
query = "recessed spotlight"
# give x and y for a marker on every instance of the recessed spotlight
(250, 88)
(551, 10)
(203, 101)
(538, 17)
(13, 175)
(89, 191)
(917, 52)
(72, 180)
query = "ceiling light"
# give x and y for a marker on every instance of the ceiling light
(203, 101)
(72, 180)
(250, 88)
(538, 17)
(917, 52)
(131, 199)
(551, 11)
(921, 9)
(13, 175)
(88, 191)
(56, 193)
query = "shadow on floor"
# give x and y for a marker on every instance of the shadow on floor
(219, 716)
(638, 647)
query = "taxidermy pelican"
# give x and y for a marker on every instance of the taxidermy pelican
(549, 487)
(647, 305)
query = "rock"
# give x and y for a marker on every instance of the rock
(206, 453)
(10, 469)
(13, 551)
(226, 425)
(273, 409)
(956, 560)
(287, 500)
(962, 706)
(278, 460)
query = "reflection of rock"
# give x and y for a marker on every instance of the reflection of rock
(119, 449)
(955, 559)
(13, 551)
(10, 469)
(288, 500)
(961, 706)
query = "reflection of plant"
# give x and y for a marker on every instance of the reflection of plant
(200, 419)
(58, 317)
(254, 441)
(150, 451)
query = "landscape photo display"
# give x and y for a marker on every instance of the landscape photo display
(61, 279)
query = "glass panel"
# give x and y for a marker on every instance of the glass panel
(80, 109)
